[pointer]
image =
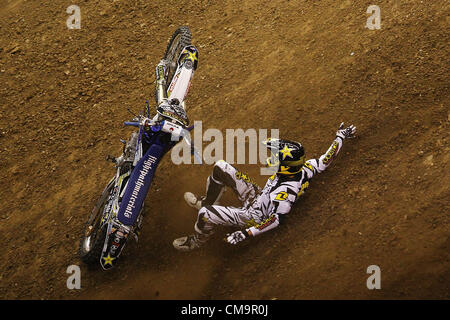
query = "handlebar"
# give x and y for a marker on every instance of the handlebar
(175, 130)
(165, 126)
(161, 124)
(131, 123)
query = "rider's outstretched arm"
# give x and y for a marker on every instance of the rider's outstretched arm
(314, 166)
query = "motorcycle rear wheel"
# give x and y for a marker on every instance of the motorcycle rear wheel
(180, 39)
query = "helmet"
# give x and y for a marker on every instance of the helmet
(289, 156)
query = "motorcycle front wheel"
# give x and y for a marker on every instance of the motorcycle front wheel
(93, 237)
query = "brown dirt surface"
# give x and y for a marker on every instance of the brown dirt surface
(300, 66)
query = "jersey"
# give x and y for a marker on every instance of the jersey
(281, 192)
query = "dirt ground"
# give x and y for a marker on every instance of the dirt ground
(300, 66)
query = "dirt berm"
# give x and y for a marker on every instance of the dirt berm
(299, 66)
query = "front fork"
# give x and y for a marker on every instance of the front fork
(116, 233)
(161, 93)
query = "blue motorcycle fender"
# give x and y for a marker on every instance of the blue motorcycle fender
(138, 185)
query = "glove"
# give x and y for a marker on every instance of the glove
(236, 237)
(345, 133)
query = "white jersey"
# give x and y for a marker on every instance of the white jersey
(280, 192)
(262, 209)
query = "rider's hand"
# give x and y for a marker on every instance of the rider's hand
(236, 237)
(345, 133)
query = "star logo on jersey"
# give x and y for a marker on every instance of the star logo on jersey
(108, 260)
(286, 152)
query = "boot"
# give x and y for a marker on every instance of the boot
(188, 243)
(214, 191)
(192, 200)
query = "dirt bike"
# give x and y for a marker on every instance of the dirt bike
(118, 213)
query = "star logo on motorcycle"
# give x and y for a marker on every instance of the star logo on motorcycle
(108, 260)
(191, 56)
(286, 152)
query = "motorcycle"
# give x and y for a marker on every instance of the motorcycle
(118, 213)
